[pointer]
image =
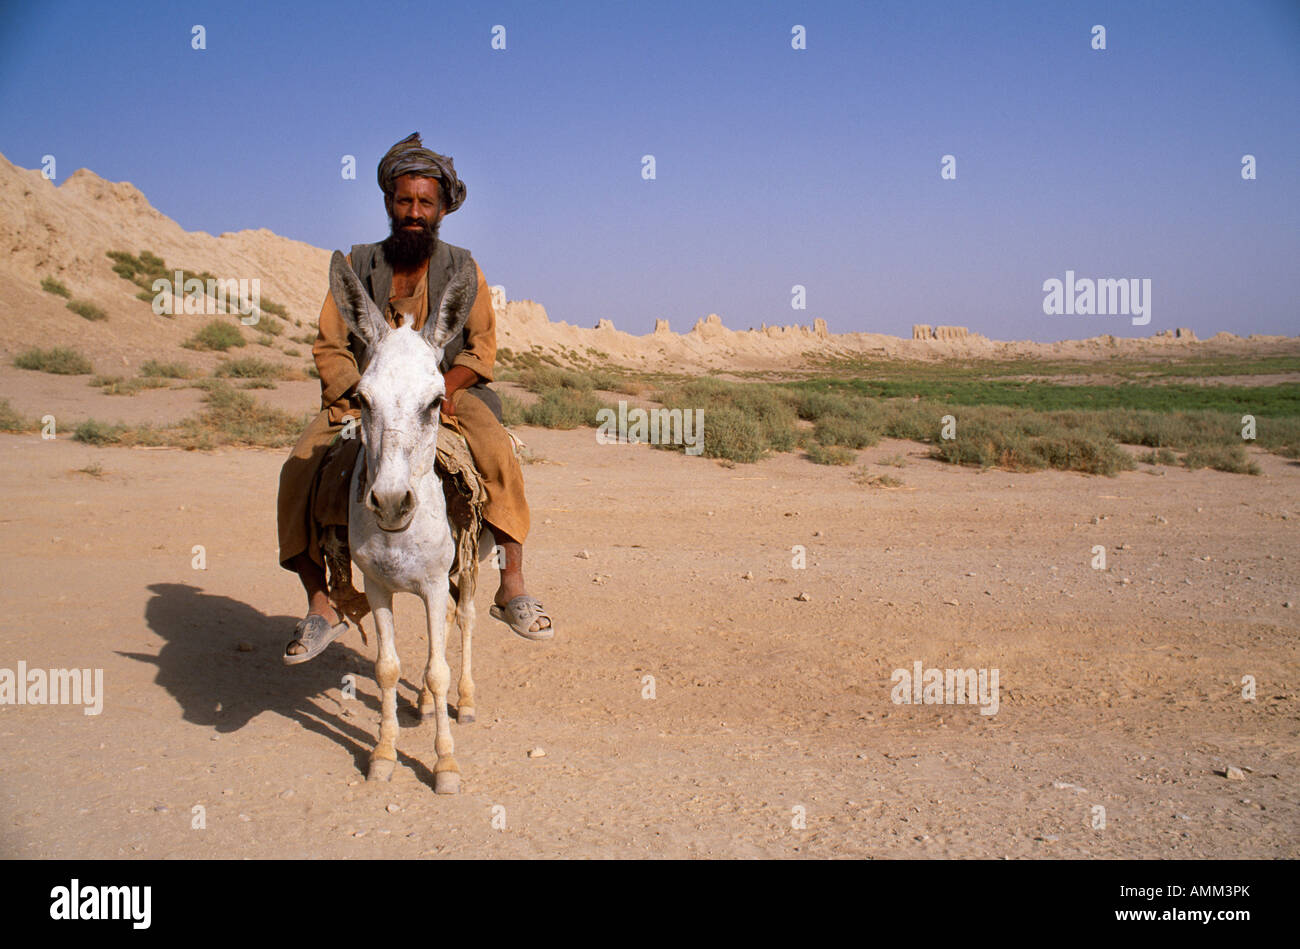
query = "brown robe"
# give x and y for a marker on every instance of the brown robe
(489, 443)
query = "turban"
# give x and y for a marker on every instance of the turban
(410, 157)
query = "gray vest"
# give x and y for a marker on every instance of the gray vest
(377, 277)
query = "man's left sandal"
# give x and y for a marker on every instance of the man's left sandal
(520, 613)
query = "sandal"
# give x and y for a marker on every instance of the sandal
(314, 632)
(520, 613)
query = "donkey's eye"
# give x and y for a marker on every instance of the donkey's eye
(363, 401)
(433, 406)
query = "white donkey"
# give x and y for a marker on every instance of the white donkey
(398, 528)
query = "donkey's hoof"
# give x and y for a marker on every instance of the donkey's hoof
(465, 716)
(381, 769)
(446, 782)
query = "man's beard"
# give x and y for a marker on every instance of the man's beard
(403, 248)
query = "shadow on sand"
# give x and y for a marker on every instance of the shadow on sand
(222, 688)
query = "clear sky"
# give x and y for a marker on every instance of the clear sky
(774, 166)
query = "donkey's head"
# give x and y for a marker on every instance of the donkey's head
(401, 388)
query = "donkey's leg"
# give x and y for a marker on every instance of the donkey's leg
(465, 616)
(446, 774)
(428, 707)
(388, 669)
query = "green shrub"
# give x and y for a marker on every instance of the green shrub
(166, 370)
(120, 385)
(540, 378)
(51, 285)
(991, 438)
(772, 416)
(236, 418)
(1161, 456)
(820, 454)
(813, 405)
(11, 421)
(914, 421)
(1230, 458)
(61, 361)
(731, 434)
(563, 409)
(1091, 453)
(87, 310)
(866, 478)
(512, 411)
(217, 336)
(94, 432)
(848, 432)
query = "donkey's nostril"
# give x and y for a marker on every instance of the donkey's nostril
(372, 502)
(408, 501)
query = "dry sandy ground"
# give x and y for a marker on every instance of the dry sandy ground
(1118, 688)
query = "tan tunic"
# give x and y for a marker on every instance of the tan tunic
(506, 508)
(338, 367)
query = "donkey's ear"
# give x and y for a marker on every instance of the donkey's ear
(453, 311)
(354, 304)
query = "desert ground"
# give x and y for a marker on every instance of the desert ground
(771, 731)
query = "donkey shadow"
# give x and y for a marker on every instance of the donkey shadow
(220, 687)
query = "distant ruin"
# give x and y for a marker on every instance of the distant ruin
(817, 329)
(926, 331)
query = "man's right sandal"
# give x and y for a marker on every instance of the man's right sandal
(315, 633)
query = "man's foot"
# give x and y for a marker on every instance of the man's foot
(525, 615)
(313, 633)
(512, 605)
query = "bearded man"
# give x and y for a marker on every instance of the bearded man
(405, 276)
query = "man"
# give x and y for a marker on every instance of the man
(409, 270)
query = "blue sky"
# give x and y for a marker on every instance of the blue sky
(775, 167)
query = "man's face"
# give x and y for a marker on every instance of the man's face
(414, 213)
(416, 203)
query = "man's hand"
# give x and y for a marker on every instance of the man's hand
(455, 379)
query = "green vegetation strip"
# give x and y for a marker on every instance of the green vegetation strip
(1275, 401)
(1018, 426)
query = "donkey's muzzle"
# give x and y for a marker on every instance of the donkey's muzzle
(392, 509)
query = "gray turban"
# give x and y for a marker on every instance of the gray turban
(410, 157)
